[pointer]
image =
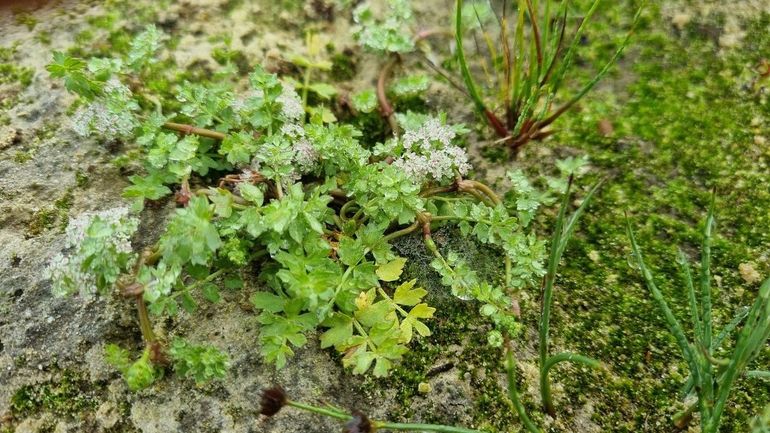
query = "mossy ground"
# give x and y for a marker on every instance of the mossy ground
(687, 116)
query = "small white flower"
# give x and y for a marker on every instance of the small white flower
(305, 156)
(97, 117)
(114, 87)
(430, 154)
(291, 104)
(293, 130)
(430, 132)
(67, 270)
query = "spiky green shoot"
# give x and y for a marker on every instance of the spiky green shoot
(529, 66)
(711, 379)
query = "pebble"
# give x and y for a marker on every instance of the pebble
(748, 273)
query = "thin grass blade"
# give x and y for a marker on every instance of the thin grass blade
(671, 321)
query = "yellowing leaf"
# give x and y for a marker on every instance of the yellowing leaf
(365, 299)
(405, 295)
(392, 270)
(422, 311)
(411, 321)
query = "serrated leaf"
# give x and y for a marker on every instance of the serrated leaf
(340, 332)
(117, 357)
(268, 302)
(392, 270)
(406, 295)
(188, 303)
(365, 101)
(410, 85)
(365, 299)
(313, 222)
(382, 367)
(233, 282)
(210, 291)
(223, 202)
(411, 321)
(325, 91)
(376, 314)
(251, 193)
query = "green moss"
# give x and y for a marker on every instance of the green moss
(81, 179)
(10, 72)
(21, 157)
(687, 122)
(66, 396)
(44, 37)
(47, 218)
(24, 18)
(343, 66)
(84, 37)
(42, 220)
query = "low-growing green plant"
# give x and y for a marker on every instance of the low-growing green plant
(711, 378)
(527, 68)
(313, 206)
(562, 232)
(310, 62)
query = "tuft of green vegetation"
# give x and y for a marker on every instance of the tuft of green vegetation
(530, 69)
(66, 396)
(304, 198)
(712, 376)
(24, 18)
(10, 72)
(47, 218)
(343, 66)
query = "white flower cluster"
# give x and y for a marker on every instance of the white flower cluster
(291, 103)
(430, 154)
(305, 154)
(119, 219)
(240, 103)
(100, 117)
(67, 270)
(115, 88)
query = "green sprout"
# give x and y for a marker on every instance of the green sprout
(530, 65)
(711, 378)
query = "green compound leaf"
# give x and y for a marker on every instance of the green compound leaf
(392, 270)
(411, 85)
(365, 101)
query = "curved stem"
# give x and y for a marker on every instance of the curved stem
(467, 185)
(466, 73)
(423, 427)
(385, 107)
(331, 413)
(513, 394)
(569, 357)
(343, 416)
(144, 320)
(402, 232)
(344, 209)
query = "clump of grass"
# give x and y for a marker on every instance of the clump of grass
(529, 66)
(711, 378)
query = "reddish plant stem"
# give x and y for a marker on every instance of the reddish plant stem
(385, 108)
(496, 124)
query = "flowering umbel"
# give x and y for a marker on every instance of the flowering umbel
(98, 248)
(428, 153)
(272, 400)
(359, 424)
